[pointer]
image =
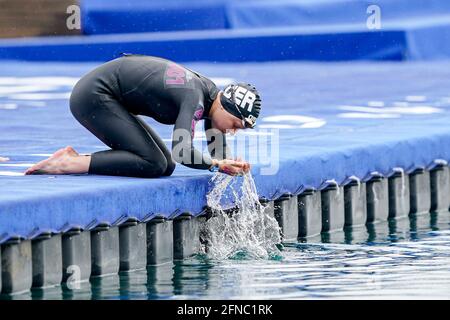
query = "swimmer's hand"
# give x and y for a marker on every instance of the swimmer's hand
(232, 167)
(2, 159)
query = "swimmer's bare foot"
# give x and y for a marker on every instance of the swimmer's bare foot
(63, 161)
(52, 165)
(3, 159)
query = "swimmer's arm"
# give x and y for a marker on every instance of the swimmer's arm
(183, 150)
(217, 142)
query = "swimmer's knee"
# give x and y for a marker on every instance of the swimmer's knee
(75, 109)
(157, 168)
(79, 106)
(72, 108)
(170, 168)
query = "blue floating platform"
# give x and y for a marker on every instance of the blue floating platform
(331, 121)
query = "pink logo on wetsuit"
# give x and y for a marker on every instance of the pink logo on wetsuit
(175, 75)
(197, 116)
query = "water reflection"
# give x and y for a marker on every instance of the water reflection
(52, 293)
(161, 281)
(107, 287)
(80, 290)
(133, 285)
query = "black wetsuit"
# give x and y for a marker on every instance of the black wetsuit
(108, 100)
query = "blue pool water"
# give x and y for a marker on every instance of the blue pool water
(408, 258)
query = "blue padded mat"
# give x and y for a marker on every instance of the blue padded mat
(282, 13)
(115, 16)
(340, 120)
(103, 17)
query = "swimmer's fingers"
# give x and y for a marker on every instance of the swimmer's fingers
(228, 170)
(235, 167)
(231, 167)
(245, 164)
(234, 163)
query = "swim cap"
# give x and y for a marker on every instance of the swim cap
(243, 101)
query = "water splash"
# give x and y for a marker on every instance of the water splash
(249, 232)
